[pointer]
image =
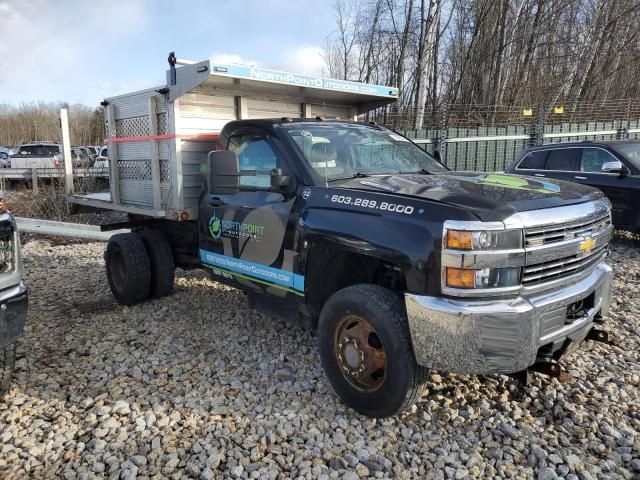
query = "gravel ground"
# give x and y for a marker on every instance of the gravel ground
(196, 385)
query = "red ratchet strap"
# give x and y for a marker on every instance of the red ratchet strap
(166, 136)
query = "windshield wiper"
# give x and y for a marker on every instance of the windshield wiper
(355, 175)
(422, 171)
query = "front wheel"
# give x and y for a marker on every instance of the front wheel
(366, 351)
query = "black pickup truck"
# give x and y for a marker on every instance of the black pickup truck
(400, 266)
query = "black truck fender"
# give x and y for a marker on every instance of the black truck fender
(339, 248)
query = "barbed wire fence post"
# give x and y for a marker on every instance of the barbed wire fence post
(537, 126)
(623, 132)
(441, 136)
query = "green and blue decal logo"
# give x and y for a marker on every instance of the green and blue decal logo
(215, 227)
(219, 227)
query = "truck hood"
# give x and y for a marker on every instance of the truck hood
(490, 196)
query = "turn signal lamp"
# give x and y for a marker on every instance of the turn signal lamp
(460, 278)
(459, 240)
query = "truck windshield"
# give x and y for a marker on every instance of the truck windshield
(340, 150)
(631, 152)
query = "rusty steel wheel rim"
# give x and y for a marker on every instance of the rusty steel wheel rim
(360, 354)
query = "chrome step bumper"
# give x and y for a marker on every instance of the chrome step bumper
(482, 336)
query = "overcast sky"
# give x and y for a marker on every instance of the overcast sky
(83, 51)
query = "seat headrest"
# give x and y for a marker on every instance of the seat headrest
(323, 155)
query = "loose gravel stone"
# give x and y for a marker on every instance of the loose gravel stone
(547, 473)
(362, 454)
(351, 459)
(510, 431)
(554, 458)
(196, 385)
(213, 461)
(207, 474)
(540, 453)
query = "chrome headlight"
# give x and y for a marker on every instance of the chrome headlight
(481, 258)
(482, 278)
(483, 239)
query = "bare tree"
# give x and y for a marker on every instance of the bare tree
(40, 122)
(470, 52)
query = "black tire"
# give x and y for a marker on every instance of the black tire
(163, 266)
(7, 366)
(128, 268)
(403, 381)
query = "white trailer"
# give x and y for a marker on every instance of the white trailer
(158, 139)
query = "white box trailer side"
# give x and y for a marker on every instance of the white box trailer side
(158, 139)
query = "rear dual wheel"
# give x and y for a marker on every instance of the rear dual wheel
(139, 266)
(162, 264)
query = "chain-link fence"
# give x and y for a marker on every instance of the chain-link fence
(488, 137)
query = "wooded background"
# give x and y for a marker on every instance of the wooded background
(489, 52)
(40, 122)
(478, 62)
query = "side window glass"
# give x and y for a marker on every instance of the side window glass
(593, 158)
(256, 159)
(563, 159)
(533, 161)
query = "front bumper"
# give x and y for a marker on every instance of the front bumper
(504, 335)
(13, 313)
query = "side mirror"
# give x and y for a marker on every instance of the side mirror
(613, 167)
(279, 181)
(224, 172)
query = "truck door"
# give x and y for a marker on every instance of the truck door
(614, 185)
(247, 236)
(562, 162)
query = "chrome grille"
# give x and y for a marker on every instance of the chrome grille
(7, 249)
(553, 233)
(547, 271)
(554, 250)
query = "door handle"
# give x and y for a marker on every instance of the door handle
(578, 177)
(539, 174)
(216, 202)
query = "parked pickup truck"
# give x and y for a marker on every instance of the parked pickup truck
(13, 295)
(352, 231)
(37, 155)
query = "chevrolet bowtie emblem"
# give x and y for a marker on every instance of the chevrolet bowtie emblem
(587, 245)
